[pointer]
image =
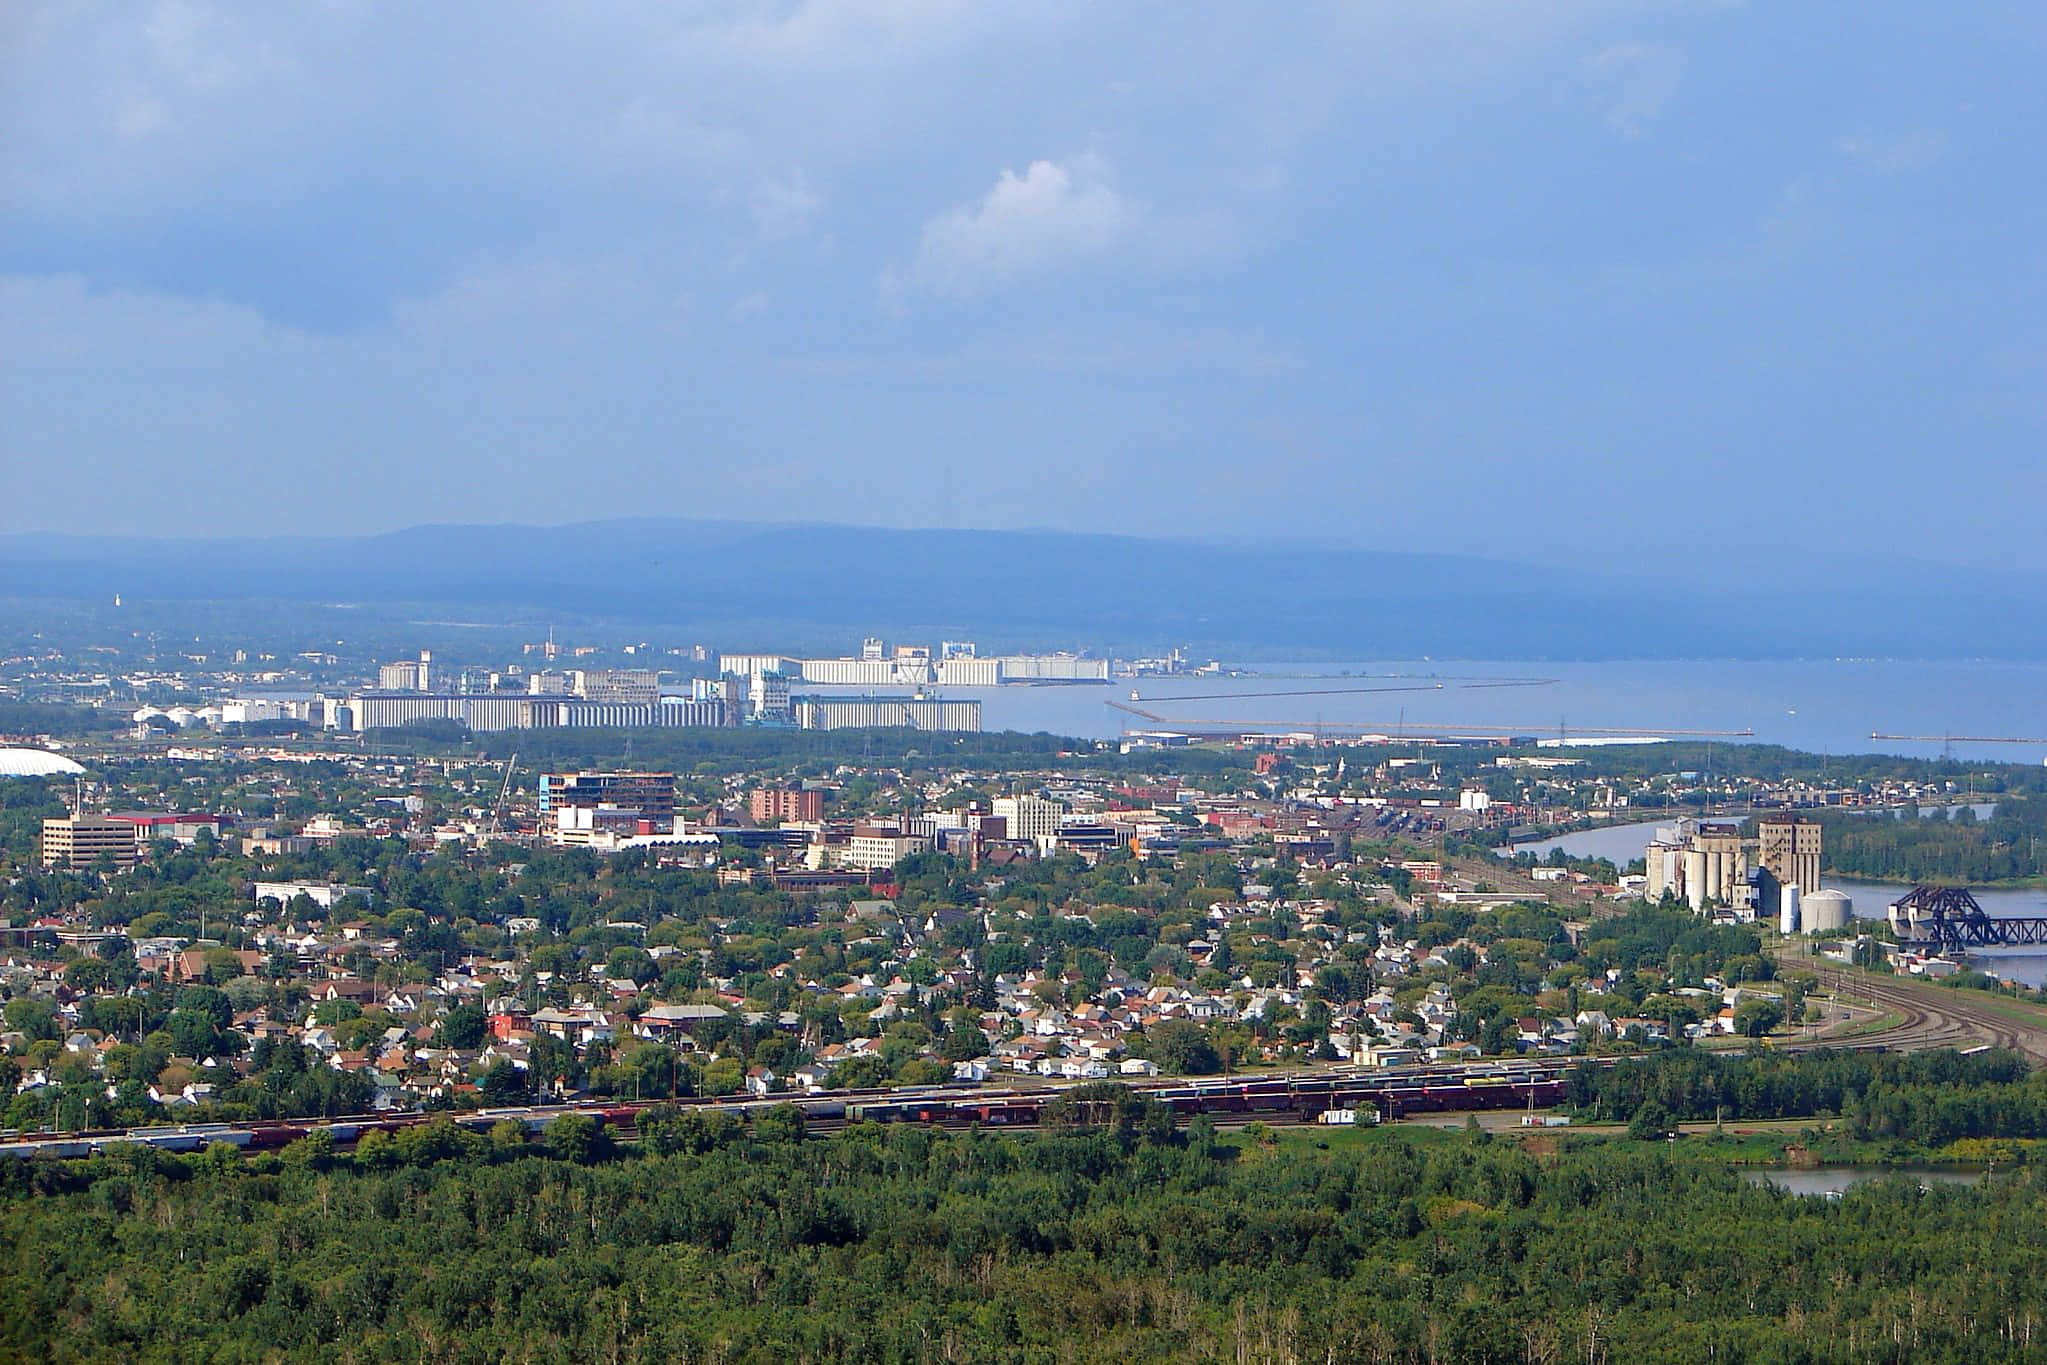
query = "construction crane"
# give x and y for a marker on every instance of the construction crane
(497, 811)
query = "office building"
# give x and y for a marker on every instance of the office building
(648, 795)
(78, 841)
(873, 848)
(1029, 817)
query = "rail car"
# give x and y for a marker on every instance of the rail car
(1393, 1091)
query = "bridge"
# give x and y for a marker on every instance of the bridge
(1949, 919)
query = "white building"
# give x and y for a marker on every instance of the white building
(1030, 817)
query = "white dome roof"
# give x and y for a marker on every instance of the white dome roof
(35, 763)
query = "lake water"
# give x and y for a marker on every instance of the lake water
(1822, 706)
(1826, 1180)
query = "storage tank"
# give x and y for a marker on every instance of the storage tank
(1787, 909)
(1826, 912)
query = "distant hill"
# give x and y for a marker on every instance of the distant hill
(789, 582)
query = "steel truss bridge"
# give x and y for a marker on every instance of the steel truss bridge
(1949, 918)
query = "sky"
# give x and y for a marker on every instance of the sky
(1572, 282)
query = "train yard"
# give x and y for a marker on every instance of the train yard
(1297, 1097)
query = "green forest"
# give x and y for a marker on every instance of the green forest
(1125, 1240)
(1941, 846)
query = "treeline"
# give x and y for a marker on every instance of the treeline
(1774, 762)
(1111, 1239)
(58, 718)
(761, 748)
(1931, 1098)
(1942, 845)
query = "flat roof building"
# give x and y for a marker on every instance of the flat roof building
(77, 841)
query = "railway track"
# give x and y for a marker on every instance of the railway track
(1949, 1019)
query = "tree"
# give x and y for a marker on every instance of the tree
(1650, 1123)
(503, 1083)
(1183, 1047)
(781, 1123)
(580, 1138)
(1754, 1018)
(963, 1043)
(462, 1027)
(627, 963)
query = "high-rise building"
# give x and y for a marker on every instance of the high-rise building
(1790, 849)
(781, 805)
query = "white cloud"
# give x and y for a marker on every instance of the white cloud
(1638, 82)
(1900, 155)
(1052, 212)
(783, 208)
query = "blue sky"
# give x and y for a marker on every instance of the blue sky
(1562, 281)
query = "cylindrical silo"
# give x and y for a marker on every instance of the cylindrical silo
(1787, 909)
(1695, 878)
(1825, 912)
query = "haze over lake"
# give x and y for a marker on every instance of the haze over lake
(1823, 706)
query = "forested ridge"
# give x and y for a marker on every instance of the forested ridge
(1133, 1242)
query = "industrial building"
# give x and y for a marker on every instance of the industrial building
(956, 665)
(1789, 848)
(489, 711)
(767, 699)
(1707, 863)
(621, 686)
(914, 713)
(1703, 863)
(1825, 912)
(407, 675)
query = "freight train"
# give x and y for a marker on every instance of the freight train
(1395, 1092)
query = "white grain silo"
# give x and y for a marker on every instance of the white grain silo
(1825, 912)
(1787, 909)
(1695, 878)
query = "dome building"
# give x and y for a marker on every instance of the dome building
(36, 763)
